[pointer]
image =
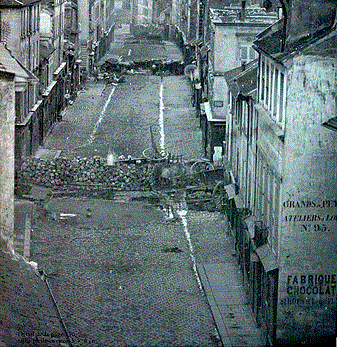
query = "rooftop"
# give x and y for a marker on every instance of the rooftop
(16, 3)
(325, 46)
(235, 15)
(28, 316)
(308, 27)
(10, 64)
(322, 42)
(242, 80)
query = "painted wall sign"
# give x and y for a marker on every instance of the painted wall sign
(311, 216)
(323, 284)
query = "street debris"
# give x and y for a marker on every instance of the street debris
(114, 70)
(171, 250)
(99, 177)
(200, 200)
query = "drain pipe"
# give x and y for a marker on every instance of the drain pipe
(64, 328)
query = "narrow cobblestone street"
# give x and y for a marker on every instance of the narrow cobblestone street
(168, 173)
(125, 266)
(88, 128)
(121, 269)
(118, 117)
(123, 276)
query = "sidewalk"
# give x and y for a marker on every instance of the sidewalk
(221, 279)
(70, 136)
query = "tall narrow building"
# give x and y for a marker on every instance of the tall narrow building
(284, 214)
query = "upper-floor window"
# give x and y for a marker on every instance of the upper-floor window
(245, 116)
(246, 53)
(252, 53)
(35, 18)
(282, 98)
(272, 88)
(23, 22)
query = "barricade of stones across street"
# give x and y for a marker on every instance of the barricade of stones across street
(86, 174)
(92, 177)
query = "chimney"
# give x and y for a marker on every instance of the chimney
(243, 10)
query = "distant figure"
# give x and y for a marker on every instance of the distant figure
(111, 158)
(217, 156)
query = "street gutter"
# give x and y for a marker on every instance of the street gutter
(182, 214)
(94, 131)
(161, 118)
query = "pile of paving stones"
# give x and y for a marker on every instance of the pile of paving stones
(86, 173)
(93, 177)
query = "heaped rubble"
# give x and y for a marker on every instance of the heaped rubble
(86, 174)
(94, 177)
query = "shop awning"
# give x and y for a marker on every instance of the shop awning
(267, 258)
(209, 114)
(60, 69)
(49, 89)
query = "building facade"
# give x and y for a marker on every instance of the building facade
(72, 48)
(227, 45)
(56, 43)
(281, 152)
(101, 29)
(11, 74)
(53, 65)
(52, 37)
(20, 33)
(145, 12)
(84, 38)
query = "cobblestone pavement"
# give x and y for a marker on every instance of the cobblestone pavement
(222, 279)
(124, 126)
(118, 118)
(123, 275)
(121, 272)
(209, 235)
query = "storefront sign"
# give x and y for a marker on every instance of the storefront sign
(311, 225)
(311, 216)
(218, 103)
(318, 284)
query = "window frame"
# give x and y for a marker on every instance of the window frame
(272, 89)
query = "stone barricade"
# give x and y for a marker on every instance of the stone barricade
(86, 174)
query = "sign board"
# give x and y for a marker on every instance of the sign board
(218, 103)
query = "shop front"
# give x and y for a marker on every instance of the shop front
(258, 264)
(213, 133)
